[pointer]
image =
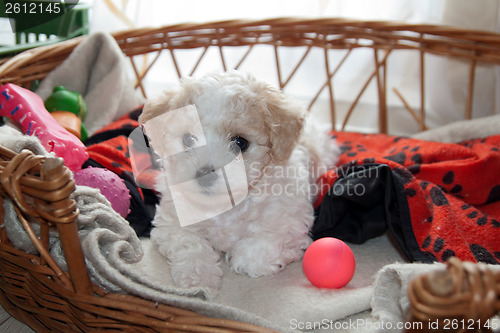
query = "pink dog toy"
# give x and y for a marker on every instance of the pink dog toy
(111, 186)
(28, 110)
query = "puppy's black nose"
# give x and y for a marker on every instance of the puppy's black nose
(206, 176)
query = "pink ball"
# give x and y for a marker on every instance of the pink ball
(110, 184)
(329, 263)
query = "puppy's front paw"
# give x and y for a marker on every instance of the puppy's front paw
(265, 254)
(197, 273)
(192, 260)
(256, 267)
(257, 257)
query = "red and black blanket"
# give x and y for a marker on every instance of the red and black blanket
(109, 148)
(438, 200)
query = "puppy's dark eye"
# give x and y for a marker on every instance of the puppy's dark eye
(189, 140)
(239, 143)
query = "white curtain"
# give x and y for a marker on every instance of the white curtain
(162, 12)
(446, 80)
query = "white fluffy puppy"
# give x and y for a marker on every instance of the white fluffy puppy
(239, 169)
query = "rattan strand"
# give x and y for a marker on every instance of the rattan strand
(466, 295)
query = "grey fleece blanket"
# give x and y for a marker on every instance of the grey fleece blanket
(120, 262)
(96, 69)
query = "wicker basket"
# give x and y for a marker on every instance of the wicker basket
(462, 298)
(328, 35)
(37, 292)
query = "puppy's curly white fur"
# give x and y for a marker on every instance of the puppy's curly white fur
(283, 156)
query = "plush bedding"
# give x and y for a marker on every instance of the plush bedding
(437, 199)
(408, 192)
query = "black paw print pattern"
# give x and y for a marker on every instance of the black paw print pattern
(452, 190)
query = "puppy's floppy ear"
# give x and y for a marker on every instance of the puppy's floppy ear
(170, 99)
(158, 105)
(285, 120)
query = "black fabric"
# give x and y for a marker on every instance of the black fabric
(364, 201)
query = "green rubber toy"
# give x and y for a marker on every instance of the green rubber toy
(63, 99)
